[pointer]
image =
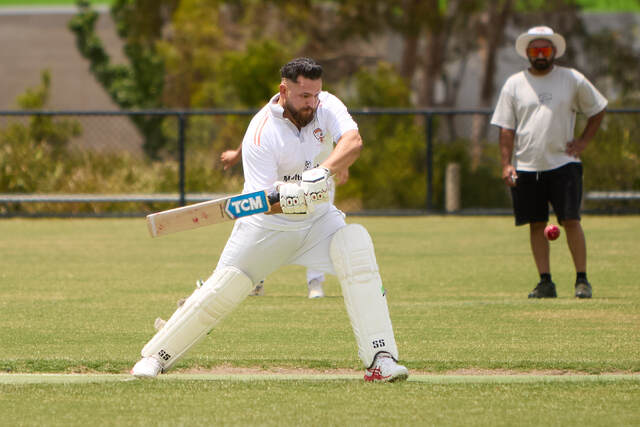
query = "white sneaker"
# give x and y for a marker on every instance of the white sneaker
(258, 291)
(386, 369)
(147, 367)
(315, 289)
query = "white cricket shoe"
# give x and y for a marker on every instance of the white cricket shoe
(147, 367)
(386, 369)
(315, 289)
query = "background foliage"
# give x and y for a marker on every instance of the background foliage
(195, 54)
(36, 156)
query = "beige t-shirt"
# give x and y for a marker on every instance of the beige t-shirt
(542, 111)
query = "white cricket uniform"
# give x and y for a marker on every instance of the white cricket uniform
(273, 149)
(542, 111)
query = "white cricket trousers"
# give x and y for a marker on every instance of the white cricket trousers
(258, 251)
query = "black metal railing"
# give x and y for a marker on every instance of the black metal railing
(441, 129)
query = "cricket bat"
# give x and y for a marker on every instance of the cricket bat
(211, 212)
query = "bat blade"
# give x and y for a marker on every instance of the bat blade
(208, 213)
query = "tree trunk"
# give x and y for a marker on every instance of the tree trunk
(491, 35)
(432, 66)
(409, 58)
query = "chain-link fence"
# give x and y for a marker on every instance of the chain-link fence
(100, 163)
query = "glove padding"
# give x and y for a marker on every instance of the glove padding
(292, 200)
(315, 183)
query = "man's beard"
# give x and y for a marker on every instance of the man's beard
(541, 64)
(302, 117)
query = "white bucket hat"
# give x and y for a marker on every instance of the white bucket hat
(535, 33)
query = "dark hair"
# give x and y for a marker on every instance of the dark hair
(305, 67)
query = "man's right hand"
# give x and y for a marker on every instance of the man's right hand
(292, 200)
(509, 175)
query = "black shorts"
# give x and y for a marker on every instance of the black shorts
(561, 187)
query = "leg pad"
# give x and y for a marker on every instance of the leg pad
(355, 263)
(221, 293)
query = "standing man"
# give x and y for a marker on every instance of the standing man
(280, 152)
(536, 113)
(315, 279)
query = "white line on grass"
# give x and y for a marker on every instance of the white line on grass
(430, 379)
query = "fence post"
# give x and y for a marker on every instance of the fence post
(181, 149)
(452, 188)
(429, 136)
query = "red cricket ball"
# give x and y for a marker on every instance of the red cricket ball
(551, 232)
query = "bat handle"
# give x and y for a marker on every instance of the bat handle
(273, 197)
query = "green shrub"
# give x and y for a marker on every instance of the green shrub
(612, 160)
(36, 157)
(482, 188)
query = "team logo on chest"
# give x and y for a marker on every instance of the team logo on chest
(319, 134)
(545, 98)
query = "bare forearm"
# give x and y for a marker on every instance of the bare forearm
(593, 124)
(509, 174)
(577, 146)
(346, 152)
(507, 137)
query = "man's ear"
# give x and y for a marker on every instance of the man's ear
(283, 89)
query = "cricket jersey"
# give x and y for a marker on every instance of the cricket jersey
(273, 149)
(542, 111)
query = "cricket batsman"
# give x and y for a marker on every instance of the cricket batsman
(282, 151)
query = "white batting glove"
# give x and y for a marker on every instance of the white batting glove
(315, 183)
(292, 200)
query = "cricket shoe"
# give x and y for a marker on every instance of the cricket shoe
(315, 289)
(147, 367)
(583, 288)
(386, 369)
(544, 289)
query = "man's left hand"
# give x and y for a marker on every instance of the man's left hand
(230, 157)
(315, 183)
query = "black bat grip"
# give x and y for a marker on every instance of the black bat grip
(273, 197)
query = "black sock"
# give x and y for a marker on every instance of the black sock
(581, 275)
(545, 277)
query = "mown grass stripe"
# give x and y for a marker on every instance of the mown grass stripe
(431, 379)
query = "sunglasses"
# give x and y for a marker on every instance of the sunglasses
(535, 51)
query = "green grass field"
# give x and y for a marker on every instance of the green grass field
(78, 299)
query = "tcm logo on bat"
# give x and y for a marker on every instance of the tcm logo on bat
(247, 204)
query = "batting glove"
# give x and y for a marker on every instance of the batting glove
(292, 200)
(315, 183)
